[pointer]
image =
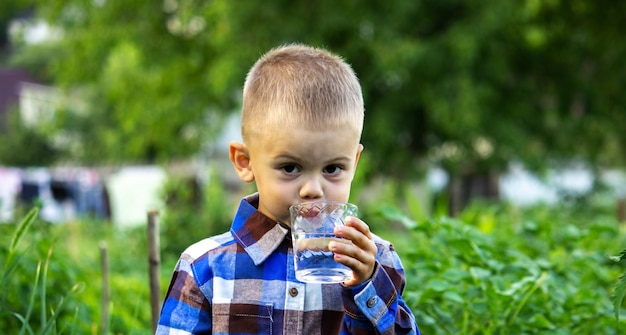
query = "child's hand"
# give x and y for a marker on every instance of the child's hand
(360, 255)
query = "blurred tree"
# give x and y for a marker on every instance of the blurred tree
(25, 146)
(9, 10)
(145, 87)
(468, 85)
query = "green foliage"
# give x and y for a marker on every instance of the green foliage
(506, 271)
(51, 281)
(469, 85)
(497, 269)
(620, 288)
(22, 227)
(8, 10)
(24, 146)
(136, 92)
(195, 211)
(25, 305)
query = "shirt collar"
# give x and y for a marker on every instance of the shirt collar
(255, 232)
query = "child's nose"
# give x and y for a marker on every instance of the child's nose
(311, 189)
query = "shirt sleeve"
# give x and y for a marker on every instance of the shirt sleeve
(376, 306)
(185, 309)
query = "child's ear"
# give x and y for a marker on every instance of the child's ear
(358, 155)
(238, 154)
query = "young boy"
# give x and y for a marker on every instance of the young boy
(301, 127)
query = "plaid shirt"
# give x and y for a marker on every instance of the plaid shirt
(243, 282)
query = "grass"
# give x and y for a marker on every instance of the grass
(496, 269)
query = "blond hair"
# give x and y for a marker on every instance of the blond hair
(298, 84)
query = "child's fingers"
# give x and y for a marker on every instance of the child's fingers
(359, 225)
(360, 255)
(359, 233)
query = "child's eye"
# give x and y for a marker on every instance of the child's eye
(332, 169)
(290, 168)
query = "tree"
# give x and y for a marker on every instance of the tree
(469, 85)
(24, 146)
(8, 11)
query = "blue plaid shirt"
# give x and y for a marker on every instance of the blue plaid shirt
(243, 282)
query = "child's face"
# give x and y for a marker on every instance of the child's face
(292, 165)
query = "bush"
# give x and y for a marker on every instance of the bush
(496, 269)
(499, 270)
(52, 280)
(195, 211)
(25, 304)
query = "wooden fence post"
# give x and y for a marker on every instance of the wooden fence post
(104, 264)
(154, 263)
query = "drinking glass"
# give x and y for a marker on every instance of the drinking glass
(312, 226)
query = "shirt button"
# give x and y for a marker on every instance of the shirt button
(293, 291)
(371, 302)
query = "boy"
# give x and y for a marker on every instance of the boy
(302, 119)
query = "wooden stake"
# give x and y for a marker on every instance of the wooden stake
(154, 263)
(104, 263)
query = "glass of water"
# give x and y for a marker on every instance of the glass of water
(312, 226)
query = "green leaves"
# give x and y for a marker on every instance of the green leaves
(22, 227)
(620, 288)
(438, 77)
(24, 310)
(548, 277)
